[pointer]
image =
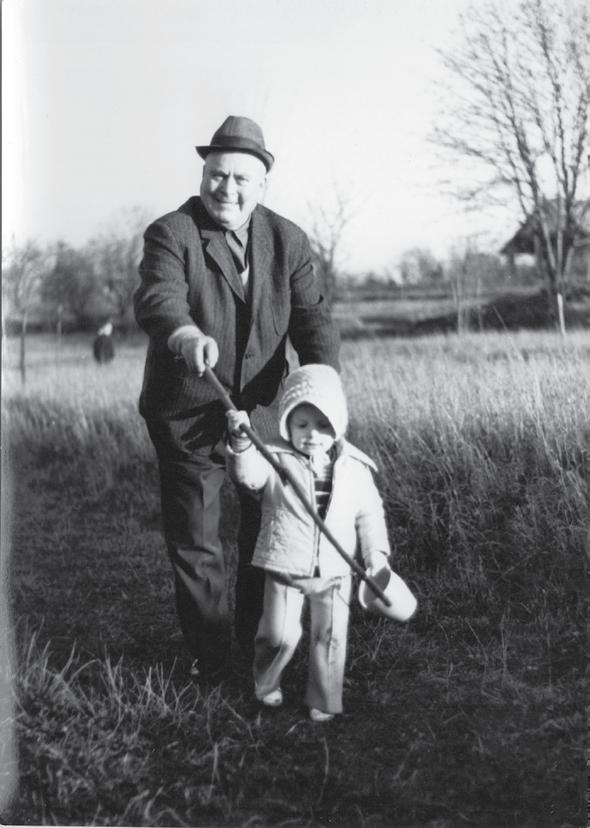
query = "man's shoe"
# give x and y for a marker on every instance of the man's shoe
(207, 671)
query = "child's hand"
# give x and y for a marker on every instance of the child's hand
(238, 439)
(235, 420)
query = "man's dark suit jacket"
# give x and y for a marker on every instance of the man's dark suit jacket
(188, 276)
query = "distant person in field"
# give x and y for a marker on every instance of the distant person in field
(300, 563)
(103, 347)
(224, 281)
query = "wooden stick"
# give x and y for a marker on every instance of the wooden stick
(287, 477)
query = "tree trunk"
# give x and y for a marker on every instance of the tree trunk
(556, 303)
(59, 323)
(554, 271)
(460, 310)
(23, 348)
(560, 314)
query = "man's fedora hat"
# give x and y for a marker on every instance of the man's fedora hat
(240, 135)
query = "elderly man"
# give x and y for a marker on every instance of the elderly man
(224, 281)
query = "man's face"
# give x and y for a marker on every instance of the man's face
(233, 183)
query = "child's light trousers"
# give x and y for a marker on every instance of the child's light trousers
(280, 630)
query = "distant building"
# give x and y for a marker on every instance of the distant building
(524, 246)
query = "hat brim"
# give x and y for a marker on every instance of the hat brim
(239, 145)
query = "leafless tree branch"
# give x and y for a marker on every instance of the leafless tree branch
(520, 89)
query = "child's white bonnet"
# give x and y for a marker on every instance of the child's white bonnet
(319, 385)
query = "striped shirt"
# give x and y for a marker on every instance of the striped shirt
(323, 473)
(323, 469)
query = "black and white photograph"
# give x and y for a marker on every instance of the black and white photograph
(295, 437)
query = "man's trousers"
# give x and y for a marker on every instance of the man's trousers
(190, 486)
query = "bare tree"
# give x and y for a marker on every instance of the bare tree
(418, 264)
(22, 279)
(116, 254)
(98, 279)
(325, 236)
(71, 284)
(521, 93)
(467, 271)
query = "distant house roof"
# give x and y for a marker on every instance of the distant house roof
(523, 241)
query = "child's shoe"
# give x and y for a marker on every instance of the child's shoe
(273, 699)
(319, 716)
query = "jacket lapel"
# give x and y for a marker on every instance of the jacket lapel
(261, 259)
(215, 247)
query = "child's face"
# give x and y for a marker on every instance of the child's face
(310, 430)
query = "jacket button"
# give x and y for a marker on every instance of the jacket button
(248, 355)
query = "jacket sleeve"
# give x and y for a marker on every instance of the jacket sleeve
(312, 330)
(248, 468)
(371, 527)
(161, 300)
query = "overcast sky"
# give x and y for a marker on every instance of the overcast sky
(104, 101)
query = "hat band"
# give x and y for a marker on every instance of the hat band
(237, 142)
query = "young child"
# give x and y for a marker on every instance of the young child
(299, 561)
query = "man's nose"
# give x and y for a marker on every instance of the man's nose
(229, 185)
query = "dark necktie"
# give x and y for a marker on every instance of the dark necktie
(237, 250)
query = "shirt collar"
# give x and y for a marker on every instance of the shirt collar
(242, 233)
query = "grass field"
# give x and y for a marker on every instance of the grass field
(472, 714)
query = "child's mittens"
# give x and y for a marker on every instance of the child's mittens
(238, 439)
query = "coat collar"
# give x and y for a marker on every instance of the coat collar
(261, 248)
